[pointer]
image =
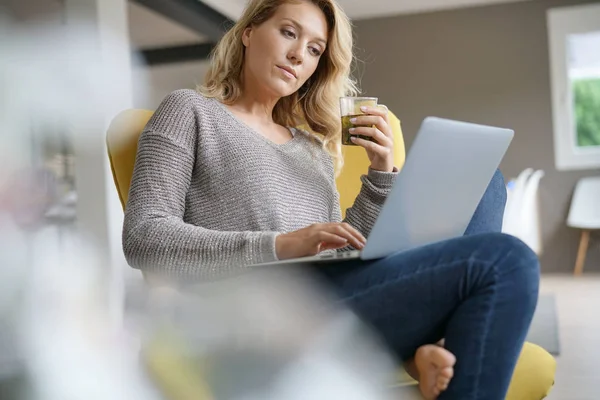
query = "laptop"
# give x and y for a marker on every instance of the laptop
(434, 197)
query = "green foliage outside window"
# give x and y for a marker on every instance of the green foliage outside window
(586, 94)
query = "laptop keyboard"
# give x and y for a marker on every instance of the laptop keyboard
(336, 255)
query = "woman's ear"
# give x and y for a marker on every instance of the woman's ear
(246, 36)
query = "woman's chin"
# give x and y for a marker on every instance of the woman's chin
(283, 89)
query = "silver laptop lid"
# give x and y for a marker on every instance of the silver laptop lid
(447, 171)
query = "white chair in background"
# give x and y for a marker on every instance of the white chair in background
(584, 214)
(512, 211)
(522, 214)
(530, 213)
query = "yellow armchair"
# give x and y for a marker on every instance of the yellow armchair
(534, 374)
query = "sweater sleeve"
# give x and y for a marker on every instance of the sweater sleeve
(376, 186)
(155, 235)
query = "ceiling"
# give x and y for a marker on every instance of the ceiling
(361, 9)
(149, 29)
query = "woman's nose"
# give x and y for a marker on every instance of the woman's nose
(296, 56)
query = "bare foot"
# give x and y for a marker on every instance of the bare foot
(435, 367)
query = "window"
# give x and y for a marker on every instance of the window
(574, 40)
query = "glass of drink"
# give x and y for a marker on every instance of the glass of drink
(350, 107)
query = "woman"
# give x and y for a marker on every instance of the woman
(222, 181)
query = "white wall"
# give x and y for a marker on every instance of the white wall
(152, 83)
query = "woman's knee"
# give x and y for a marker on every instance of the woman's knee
(520, 250)
(504, 256)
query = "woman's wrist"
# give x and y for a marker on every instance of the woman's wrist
(386, 169)
(382, 178)
(280, 246)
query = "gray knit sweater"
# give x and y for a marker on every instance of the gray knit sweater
(209, 194)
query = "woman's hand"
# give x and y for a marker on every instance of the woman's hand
(377, 126)
(315, 238)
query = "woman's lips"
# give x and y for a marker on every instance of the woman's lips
(287, 73)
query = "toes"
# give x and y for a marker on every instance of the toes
(447, 373)
(442, 383)
(451, 358)
(443, 378)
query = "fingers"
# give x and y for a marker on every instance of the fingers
(355, 233)
(375, 116)
(331, 240)
(354, 237)
(376, 148)
(331, 246)
(380, 110)
(316, 238)
(341, 230)
(369, 120)
(375, 124)
(372, 132)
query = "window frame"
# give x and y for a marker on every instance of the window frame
(562, 22)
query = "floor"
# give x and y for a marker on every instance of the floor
(578, 366)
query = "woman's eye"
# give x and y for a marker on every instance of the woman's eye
(315, 52)
(288, 33)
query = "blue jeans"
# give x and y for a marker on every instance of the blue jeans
(478, 292)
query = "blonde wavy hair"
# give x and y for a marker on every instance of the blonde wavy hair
(316, 104)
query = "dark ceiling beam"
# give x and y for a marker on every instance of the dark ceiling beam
(193, 14)
(175, 54)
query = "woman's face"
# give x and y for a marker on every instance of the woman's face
(284, 51)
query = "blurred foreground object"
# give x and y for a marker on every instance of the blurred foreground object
(264, 335)
(27, 197)
(58, 336)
